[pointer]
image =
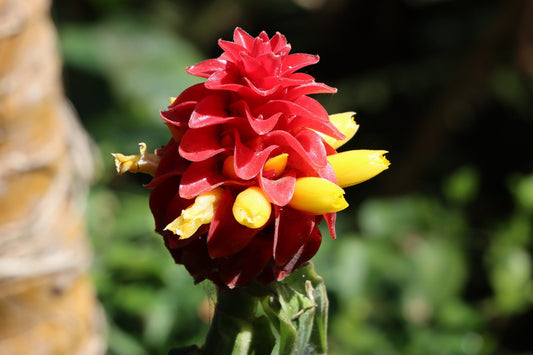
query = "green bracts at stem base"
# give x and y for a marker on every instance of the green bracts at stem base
(292, 319)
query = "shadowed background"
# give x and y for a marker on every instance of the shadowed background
(432, 257)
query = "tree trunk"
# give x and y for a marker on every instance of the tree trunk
(47, 302)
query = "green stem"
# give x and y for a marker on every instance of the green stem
(232, 326)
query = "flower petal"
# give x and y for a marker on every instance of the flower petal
(227, 236)
(293, 62)
(160, 199)
(306, 252)
(330, 220)
(356, 166)
(243, 267)
(201, 143)
(312, 144)
(248, 162)
(196, 260)
(200, 177)
(279, 191)
(206, 68)
(242, 38)
(194, 93)
(259, 124)
(199, 213)
(251, 208)
(291, 231)
(171, 164)
(180, 114)
(317, 196)
(298, 158)
(209, 112)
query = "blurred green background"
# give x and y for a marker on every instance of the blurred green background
(434, 256)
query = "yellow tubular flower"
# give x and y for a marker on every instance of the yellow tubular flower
(345, 123)
(140, 163)
(199, 213)
(355, 166)
(277, 163)
(251, 208)
(317, 196)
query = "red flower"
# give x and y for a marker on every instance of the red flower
(239, 190)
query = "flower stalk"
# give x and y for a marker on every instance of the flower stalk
(284, 318)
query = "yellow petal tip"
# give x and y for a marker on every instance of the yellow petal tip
(251, 208)
(356, 166)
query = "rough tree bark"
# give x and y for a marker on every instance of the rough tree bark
(47, 303)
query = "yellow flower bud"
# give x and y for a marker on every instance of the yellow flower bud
(277, 163)
(140, 163)
(199, 213)
(317, 196)
(345, 123)
(251, 208)
(355, 166)
(228, 168)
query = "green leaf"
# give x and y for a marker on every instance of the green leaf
(263, 341)
(286, 330)
(298, 312)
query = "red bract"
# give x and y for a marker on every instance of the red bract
(252, 107)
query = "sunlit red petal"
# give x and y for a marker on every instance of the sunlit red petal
(248, 162)
(233, 50)
(312, 144)
(308, 89)
(206, 68)
(279, 45)
(201, 143)
(267, 64)
(279, 191)
(193, 93)
(200, 177)
(180, 114)
(209, 112)
(294, 62)
(288, 144)
(261, 91)
(242, 38)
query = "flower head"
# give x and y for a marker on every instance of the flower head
(248, 175)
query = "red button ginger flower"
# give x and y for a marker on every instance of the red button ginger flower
(251, 169)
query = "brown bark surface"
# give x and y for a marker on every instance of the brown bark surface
(47, 302)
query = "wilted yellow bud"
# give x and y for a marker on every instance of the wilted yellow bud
(355, 166)
(277, 163)
(251, 208)
(345, 123)
(317, 196)
(199, 213)
(140, 163)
